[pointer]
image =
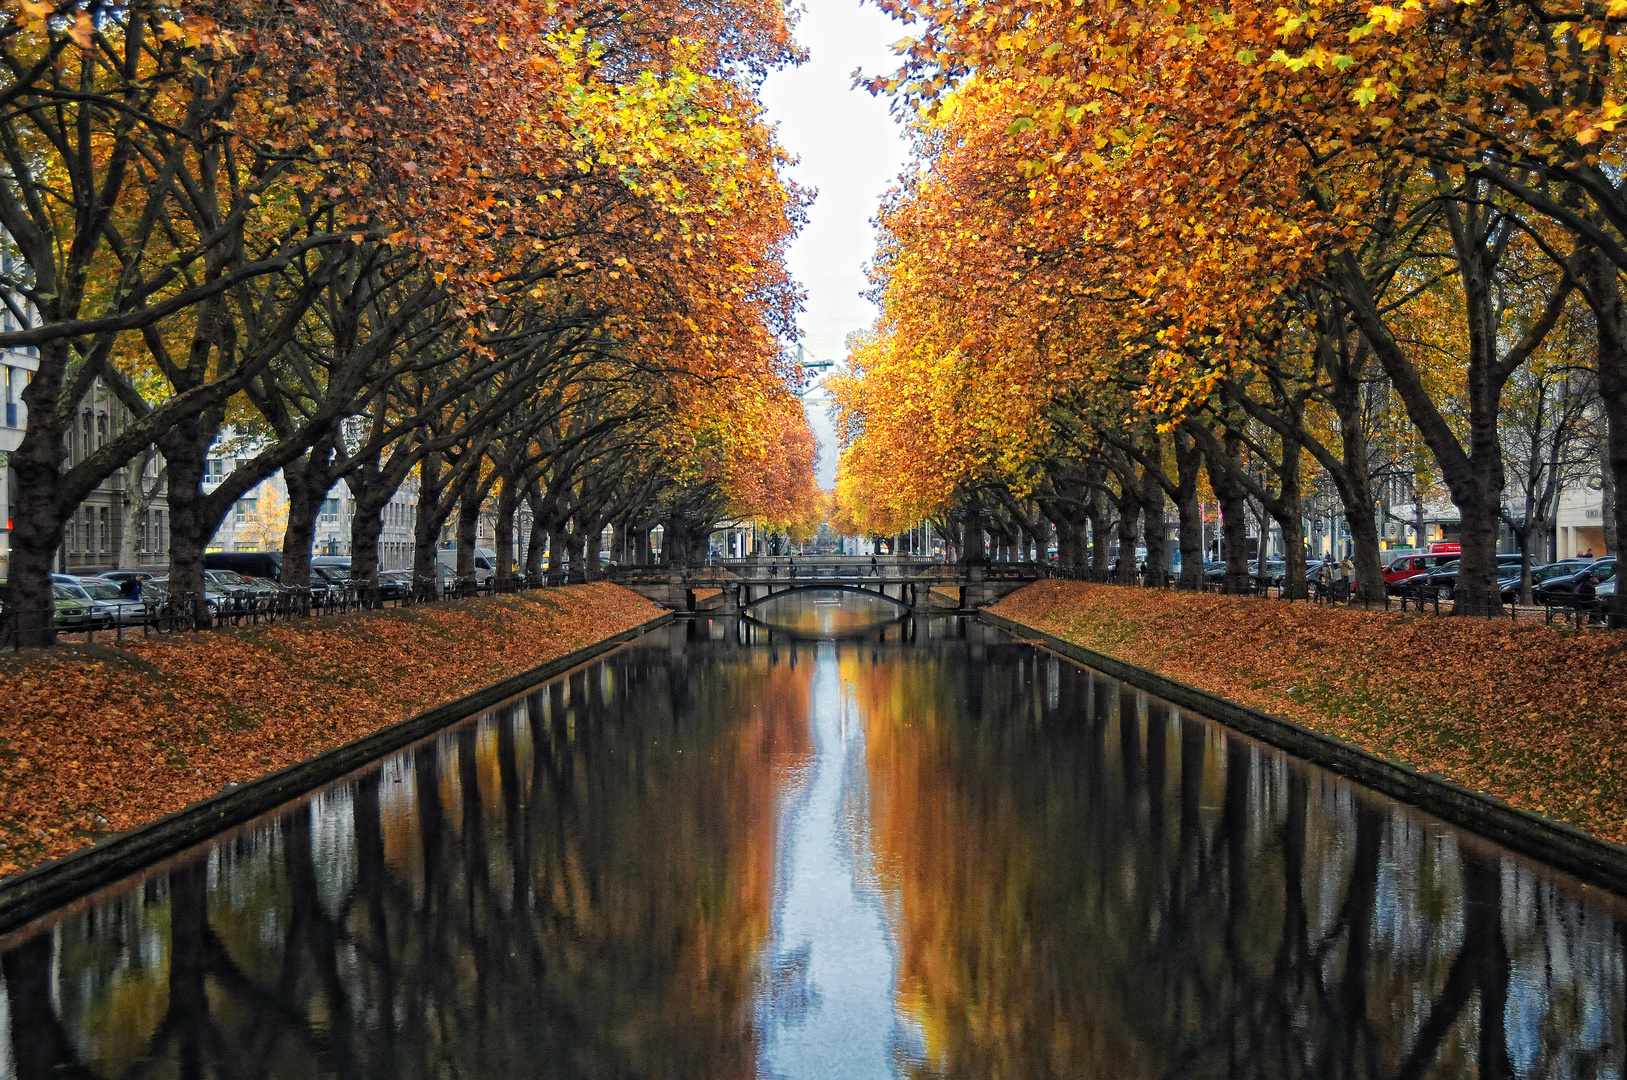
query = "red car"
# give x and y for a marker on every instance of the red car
(1406, 566)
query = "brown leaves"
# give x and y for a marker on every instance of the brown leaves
(1528, 713)
(135, 733)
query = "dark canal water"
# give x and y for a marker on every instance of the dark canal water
(843, 846)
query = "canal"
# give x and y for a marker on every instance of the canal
(826, 842)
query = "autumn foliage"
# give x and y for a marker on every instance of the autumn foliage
(101, 740)
(519, 245)
(1153, 250)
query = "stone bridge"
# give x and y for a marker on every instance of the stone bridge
(743, 584)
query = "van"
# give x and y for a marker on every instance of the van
(485, 562)
(260, 564)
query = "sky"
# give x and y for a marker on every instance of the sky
(850, 150)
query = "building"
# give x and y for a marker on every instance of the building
(259, 519)
(1579, 520)
(124, 521)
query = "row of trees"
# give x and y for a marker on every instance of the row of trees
(1159, 253)
(523, 250)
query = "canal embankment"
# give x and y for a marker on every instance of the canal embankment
(1530, 715)
(97, 740)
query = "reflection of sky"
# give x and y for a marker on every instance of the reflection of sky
(825, 998)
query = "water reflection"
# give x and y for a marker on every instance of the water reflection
(920, 850)
(830, 968)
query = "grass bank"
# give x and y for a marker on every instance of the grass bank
(99, 739)
(1534, 715)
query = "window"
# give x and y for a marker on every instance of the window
(330, 509)
(247, 508)
(246, 547)
(84, 444)
(213, 470)
(107, 532)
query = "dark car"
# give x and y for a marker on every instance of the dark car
(1443, 580)
(1562, 589)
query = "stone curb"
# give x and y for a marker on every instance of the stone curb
(34, 892)
(1555, 843)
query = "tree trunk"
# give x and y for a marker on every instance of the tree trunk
(1098, 517)
(558, 548)
(508, 504)
(1289, 513)
(1129, 508)
(193, 521)
(426, 526)
(1152, 518)
(1188, 463)
(468, 530)
(365, 526)
(39, 513)
(1233, 522)
(1610, 317)
(308, 485)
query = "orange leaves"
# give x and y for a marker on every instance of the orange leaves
(108, 739)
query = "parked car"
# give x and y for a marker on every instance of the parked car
(1562, 589)
(231, 583)
(1442, 581)
(1276, 570)
(156, 591)
(1411, 565)
(112, 605)
(94, 596)
(260, 564)
(71, 610)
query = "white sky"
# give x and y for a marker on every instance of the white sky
(850, 151)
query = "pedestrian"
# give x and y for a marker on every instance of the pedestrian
(1324, 578)
(773, 568)
(1588, 554)
(1347, 569)
(1586, 594)
(874, 568)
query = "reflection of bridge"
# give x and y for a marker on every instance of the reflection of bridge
(743, 584)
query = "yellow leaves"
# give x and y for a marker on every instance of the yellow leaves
(32, 15)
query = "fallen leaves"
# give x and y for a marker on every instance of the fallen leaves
(128, 735)
(1528, 713)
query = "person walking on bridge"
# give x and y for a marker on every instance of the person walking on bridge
(874, 568)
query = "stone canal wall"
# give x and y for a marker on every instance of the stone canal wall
(98, 740)
(1531, 715)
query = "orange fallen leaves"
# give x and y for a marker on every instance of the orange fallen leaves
(100, 739)
(1529, 713)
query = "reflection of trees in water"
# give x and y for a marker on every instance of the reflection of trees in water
(1089, 885)
(1092, 885)
(577, 886)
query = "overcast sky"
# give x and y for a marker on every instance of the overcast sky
(850, 151)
